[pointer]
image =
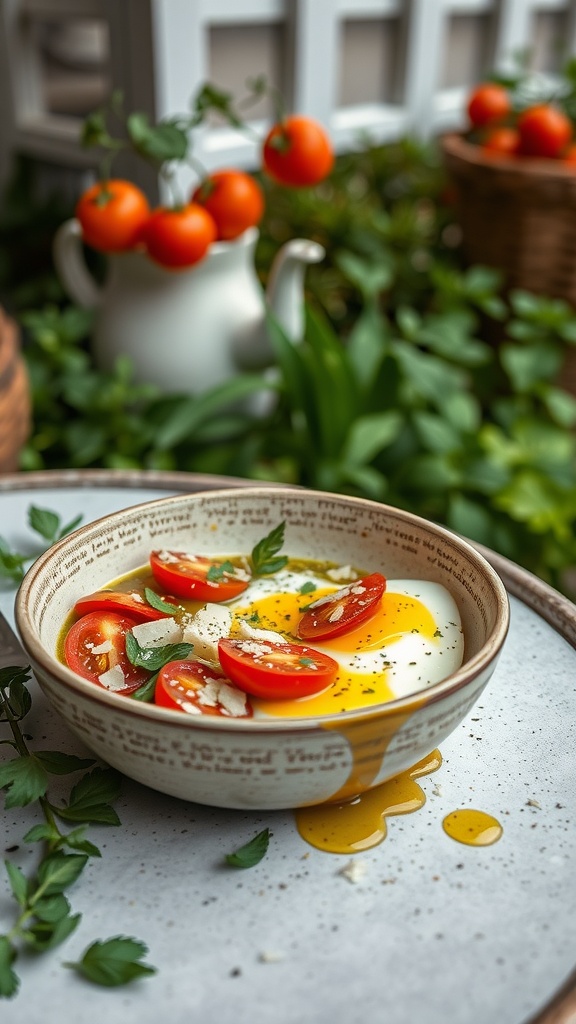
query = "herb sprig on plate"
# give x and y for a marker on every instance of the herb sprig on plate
(48, 525)
(44, 917)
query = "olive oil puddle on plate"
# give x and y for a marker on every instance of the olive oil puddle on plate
(473, 828)
(360, 824)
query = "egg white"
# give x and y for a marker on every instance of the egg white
(411, 661)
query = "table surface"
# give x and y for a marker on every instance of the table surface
(429, 929)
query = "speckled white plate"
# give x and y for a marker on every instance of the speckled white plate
(431, 929)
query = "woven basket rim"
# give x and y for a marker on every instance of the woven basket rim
(457, 149)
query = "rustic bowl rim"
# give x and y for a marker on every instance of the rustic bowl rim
(469, 670)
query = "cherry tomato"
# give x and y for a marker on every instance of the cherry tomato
(108, 630)
(112, 214)
(343, 610)
(234, 199)
(179, 237)
(297, 152)
(276, 671)
(181, 685)
(501, 142)
(123, 603)
(488, 102)
(196, 577)
(544, 131)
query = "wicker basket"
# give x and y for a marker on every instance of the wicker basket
(520, 217)
(15, 412)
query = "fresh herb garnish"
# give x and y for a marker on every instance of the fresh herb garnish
(159, 604)
(154, 658)
(262, 558)
(44, 919)
(251, 853)
(306, 662)
(307, 588)
(47, 525)
(114, 962)
(217, 572)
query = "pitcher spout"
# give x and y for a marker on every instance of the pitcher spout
(284, 298)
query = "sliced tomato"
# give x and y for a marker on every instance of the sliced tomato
(133, 604)
(196, 689)
(196, 577)
(96, 643)
(276, 671)
(343, 610)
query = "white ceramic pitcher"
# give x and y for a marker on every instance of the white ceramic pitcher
(186, 330)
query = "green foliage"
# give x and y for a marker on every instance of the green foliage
(417, 383)
(44, 919)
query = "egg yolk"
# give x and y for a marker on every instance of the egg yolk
(397, 616)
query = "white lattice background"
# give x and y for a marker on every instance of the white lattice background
(382, 67)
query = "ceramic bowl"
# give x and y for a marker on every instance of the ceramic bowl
(262, 763)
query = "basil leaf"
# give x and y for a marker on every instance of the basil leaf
(251, 853)
(24, 779)
(157, 602)
(114, 962)
(216, 573)
(262, 558)
(154, 658)
(62, 764)
(145, 693)
(44, 522)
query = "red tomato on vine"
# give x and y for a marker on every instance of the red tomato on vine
(179, 237)
(234, 199)
(297, 152)
(112, 214)
(488, 102)
(544, 131)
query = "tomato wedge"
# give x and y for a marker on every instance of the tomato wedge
(198, 689)
(276, 671)
(96, 643)
(343, 610)
(196, 577)
(133, 604)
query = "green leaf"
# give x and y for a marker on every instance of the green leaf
(18, 883)
(46, 935)
(44, 522)
(262, 558)
(75, 841)
(19, 698)
(145, 693)
(436, 434)
(369, 434)
(369, 276)
(154, 658)
(90, 798)
(52, 908)
(367, 344)
(9, 981)
(527, 367)
(190, 413)
(62, 764)
(114, 962)
(42, 833)
(25, 780)
(157, 602)
(251, 853)
(161, 142)
(11, 564)
(58, 871)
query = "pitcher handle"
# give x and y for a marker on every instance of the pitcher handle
(71, 266)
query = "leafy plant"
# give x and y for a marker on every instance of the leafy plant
(44, 919)
(417, 382)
